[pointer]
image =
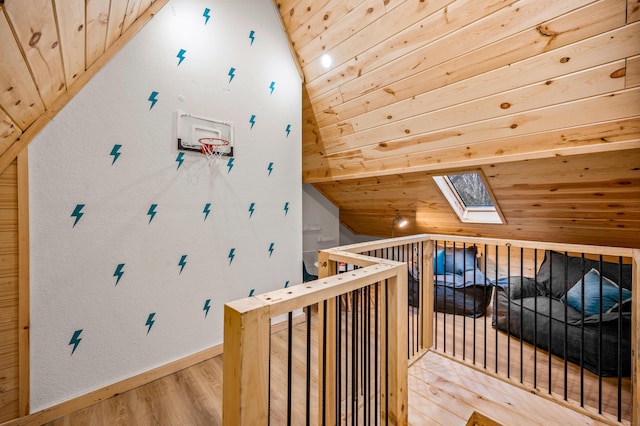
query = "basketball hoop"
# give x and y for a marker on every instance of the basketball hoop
(213, 149)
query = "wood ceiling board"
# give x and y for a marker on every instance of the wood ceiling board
(510, 20)
(133, 10)
(328, 36)
(502, 92)
(573, 27)
(609, 47)
(368, 41)
(297, 12)
(115, 24)
(9, 131)
(97, 17)
(34, 24)
(551, 142)
(612, 106)
(584, 84)
(633, 11)
(18, 94)
(71, 27)
(633, 72)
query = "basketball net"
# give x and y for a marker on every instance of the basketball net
(212, 148)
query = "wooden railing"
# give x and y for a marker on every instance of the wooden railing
(247, 334)
(247, 322)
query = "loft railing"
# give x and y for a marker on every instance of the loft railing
(365, 311)
(377, 392)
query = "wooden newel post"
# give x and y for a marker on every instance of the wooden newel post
(327, 384)
(397, 353)
(246, 363)
(426, 275)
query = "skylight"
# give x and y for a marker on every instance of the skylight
(469, 197)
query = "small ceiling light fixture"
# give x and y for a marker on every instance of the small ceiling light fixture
(326, 60)
(401, 223)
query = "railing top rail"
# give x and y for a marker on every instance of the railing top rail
(577, 248)
(298, 296)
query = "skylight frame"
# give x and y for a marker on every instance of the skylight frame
(471, 214)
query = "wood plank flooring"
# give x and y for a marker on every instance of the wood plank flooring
(510, 352)
(442, 391)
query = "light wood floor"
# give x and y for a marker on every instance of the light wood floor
(510, 353)
(441, 391)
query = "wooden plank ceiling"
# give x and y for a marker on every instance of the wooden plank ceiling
(542, 96)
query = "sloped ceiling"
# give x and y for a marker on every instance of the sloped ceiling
(541, 96)
(49, 50)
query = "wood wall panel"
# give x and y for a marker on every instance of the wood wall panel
(117, 12)
(9, 294)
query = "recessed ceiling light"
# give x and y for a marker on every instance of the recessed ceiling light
(326, 60)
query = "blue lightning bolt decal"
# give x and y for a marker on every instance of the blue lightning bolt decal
(251, 292)
(231, 74)
(206, 210)
(150, 321)
(77, 213)
(288, 129)
(179, 159)
(252, 36)
(153, 99)
(206, 15)
(272, 86)
(286, 208)
(252, 120)
(286, 284)
(180, 56)
(119, 272)
(270, 168)
(252, 208)
(75, 340)
(230, 165)
(232, 254)
(271, 249)
(115, 153)
(152, 212)
(183, 261)
(206, 307)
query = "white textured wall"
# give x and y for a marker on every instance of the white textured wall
(73, 168)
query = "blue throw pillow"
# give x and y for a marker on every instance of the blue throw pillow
(610, 294)
(438, 263)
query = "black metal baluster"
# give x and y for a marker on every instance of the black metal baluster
(535, 322)
(549, 320)
(453, 317)
(339, 300)
(485, 295)
(289, 364)
(521, 309)
(566, 330)
(509, 311)
(354, 358)
(495, 306)
(582, 288)
(324, 363)
(308, 378)
(620, 339)
(376, 367)
(464, 302)
(600, 344)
